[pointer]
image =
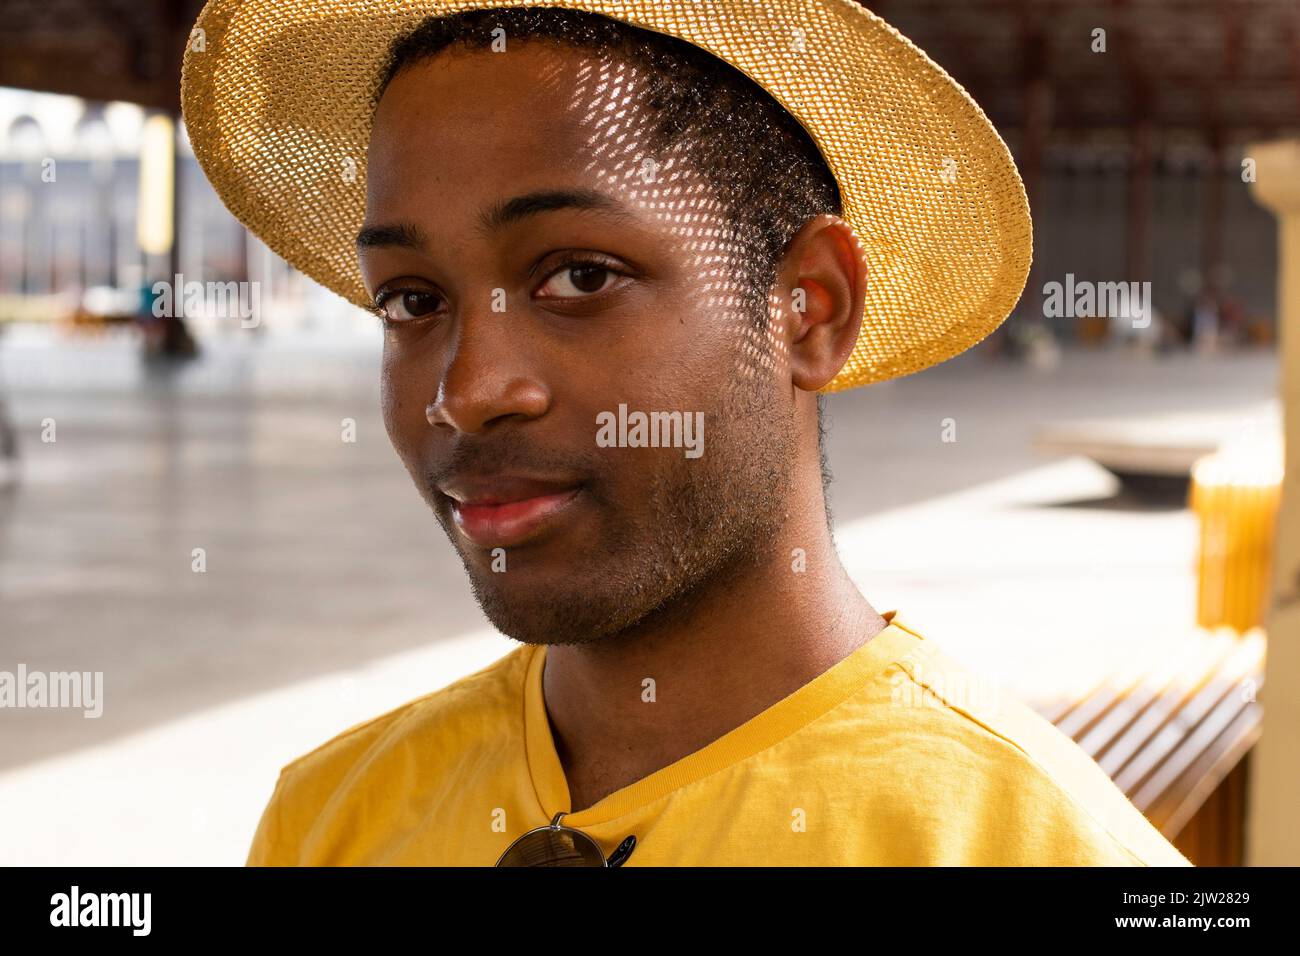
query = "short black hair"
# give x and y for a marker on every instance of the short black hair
(765, 167)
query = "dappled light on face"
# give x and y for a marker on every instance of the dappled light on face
(652, 523)
(631, 156)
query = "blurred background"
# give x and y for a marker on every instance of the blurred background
(198, 500)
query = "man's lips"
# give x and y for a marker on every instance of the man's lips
(509, 512)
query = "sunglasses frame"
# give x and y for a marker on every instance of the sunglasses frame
(615, 859)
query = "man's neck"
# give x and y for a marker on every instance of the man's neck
(624, 708)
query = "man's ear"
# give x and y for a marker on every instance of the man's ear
(820, 294)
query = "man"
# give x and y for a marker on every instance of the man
(615, 275)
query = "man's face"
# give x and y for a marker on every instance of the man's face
(512, 325)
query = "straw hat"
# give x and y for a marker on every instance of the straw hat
(278, 95)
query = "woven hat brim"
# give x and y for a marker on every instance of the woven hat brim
(278, 98)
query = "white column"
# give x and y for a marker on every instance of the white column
(1272, 833)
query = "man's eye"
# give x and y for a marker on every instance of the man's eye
(578, 280)
(403, 306)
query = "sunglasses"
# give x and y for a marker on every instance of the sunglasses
(557, 845)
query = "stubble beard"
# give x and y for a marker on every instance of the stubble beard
(707, 521)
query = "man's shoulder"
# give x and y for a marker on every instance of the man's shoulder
(322, 799)
(471, 700)
(1049, 794)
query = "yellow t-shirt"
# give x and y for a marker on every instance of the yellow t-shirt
(895, 756)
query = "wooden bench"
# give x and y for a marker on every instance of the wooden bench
(1174, 735)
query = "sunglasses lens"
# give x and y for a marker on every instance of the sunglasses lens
(550, 847)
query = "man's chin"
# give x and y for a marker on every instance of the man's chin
(533, 615)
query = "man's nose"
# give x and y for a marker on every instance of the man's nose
(486, 375)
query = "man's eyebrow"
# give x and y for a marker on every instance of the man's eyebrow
(530, 204)
(407, 235)
(404, 235)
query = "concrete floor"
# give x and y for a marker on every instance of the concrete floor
(331, 595)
